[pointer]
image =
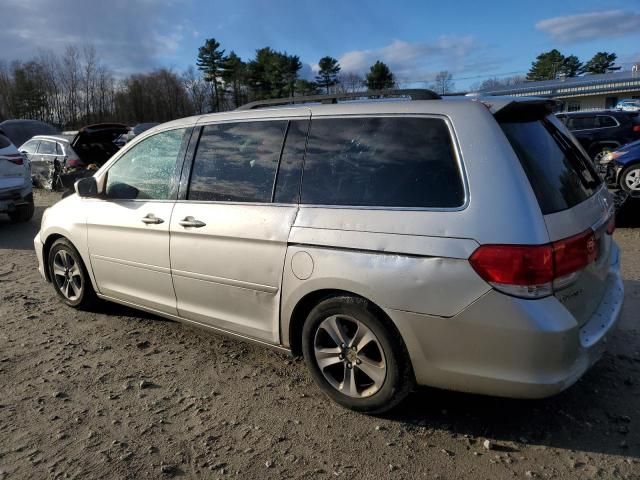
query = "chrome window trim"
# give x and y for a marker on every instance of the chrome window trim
(598, 128)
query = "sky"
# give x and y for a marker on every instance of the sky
(474, 40)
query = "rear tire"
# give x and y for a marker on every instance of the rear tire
(23, 213)
(356, 356)
(69, 276)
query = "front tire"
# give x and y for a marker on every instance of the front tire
(69, 276)
(630, 179)
(356, 356)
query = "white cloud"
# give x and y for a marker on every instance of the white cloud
(128, 36)
(418, 60)
(591, 25)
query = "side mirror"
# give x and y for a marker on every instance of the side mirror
(87, 187)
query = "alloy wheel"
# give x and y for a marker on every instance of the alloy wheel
(66, 273)
(632, 179)
(350, 356)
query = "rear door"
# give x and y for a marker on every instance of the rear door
(229, 233)
(572, 199)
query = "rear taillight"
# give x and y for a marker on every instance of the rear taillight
(636, 128)
(74, 163)
(534, 271)
(15, 158)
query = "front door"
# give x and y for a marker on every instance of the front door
(128, 229)
(229, 235)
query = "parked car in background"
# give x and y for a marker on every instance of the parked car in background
(629, 105)
(455, 243)
(19, 131)
(51, 156)
(621, 168)
(16, 196)
(600, 132)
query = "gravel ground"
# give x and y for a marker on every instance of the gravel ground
(123, 394)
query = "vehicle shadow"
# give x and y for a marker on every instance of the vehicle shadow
(628, 216)
(19, 236)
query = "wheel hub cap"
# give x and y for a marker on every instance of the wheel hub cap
(66, 274)
(350, 356)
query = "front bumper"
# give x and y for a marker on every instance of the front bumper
(510, 347)
(39, 247)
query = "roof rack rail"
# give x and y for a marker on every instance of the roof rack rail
(414, 94)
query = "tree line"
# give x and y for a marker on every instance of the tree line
(74, 88)
(552, 65)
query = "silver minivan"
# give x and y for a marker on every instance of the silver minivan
(453, 242)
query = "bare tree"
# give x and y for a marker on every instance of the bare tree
(350, 82)
(443, 83)
(197, 89)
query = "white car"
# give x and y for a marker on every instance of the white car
(16, 195)
(629, 105)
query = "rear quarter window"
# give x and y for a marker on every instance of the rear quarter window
(381, 161)
(4, 142)
(560, 174)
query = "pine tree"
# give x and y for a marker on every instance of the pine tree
(601, 62)
(233, 71)
(379, 77)
(547, 66)
(210, 59)
(329, 68)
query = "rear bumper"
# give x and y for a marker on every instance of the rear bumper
(10, 198)
(510, 347)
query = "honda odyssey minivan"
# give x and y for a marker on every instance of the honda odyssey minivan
(452, 242)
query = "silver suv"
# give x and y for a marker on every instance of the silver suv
(448, 242)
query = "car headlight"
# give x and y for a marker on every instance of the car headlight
(611, 156)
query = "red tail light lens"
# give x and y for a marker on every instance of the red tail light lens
(636, 128)
(74, 163)
(529, 271)
(15, 158)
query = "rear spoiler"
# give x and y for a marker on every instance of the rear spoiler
(519, 109)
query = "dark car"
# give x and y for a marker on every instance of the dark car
(19, 131)
(602, 131)
(622, 168)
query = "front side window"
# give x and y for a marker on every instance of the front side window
(237, 162)
(385, 161)
(31, 146)
(147, 171)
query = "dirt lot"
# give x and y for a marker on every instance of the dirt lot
(122, 394)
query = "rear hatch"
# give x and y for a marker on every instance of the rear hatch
(94, 144)
(577, 208)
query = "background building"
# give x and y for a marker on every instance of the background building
(589, 92)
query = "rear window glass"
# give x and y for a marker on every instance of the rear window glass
(4, 142)
(560, 174)
(385, 161)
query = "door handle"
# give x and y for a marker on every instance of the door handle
(151, 219)
(191, 222)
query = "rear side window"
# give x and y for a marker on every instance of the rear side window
(581, 123)
(606, 121)
(560, 174)
(47, 148)
(237, 162)
(382, 161)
